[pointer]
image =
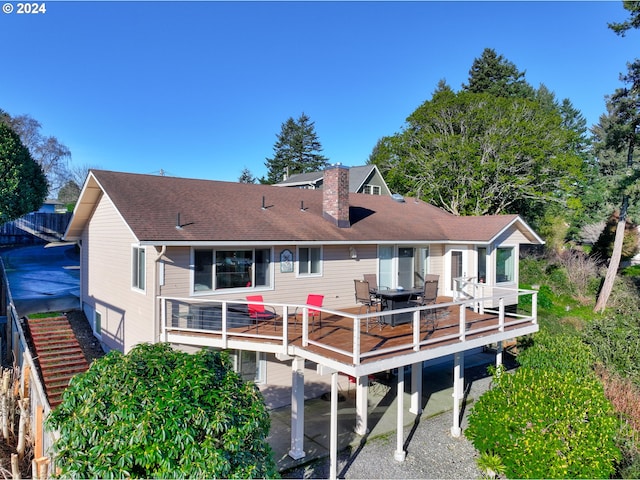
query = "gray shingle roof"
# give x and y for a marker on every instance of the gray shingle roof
(357, 176)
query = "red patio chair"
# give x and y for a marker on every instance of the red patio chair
(259, 311)
(315, 300)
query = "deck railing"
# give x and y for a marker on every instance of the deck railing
(223, 322)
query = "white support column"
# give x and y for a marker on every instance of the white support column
(333, 448)
(362, 399)
(297, 409)
(416, 388)
(400, 454)
(458, 390)
(499, 351)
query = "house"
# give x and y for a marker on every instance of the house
(362, 179)
(52, 206)
(143, 236)
(166, 259)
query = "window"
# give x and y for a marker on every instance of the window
(309, 261)
(138, 268)
(222, 269)
(371, 189)
(97, 323)
(505, 265)
(482, 265)
(250, 365)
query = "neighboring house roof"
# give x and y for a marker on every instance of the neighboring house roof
(217, 212)
(358, 177)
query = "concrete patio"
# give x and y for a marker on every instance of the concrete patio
(437, 398)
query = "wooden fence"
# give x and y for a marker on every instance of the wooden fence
(27, 390)
(34, 228)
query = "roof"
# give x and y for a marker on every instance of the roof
(213, 211)
(357, 177)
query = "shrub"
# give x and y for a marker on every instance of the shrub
(615, 342)
(563, 353)
(546, 424)
(161, 413)
(580, 269)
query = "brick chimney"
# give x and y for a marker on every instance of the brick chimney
(335, 195)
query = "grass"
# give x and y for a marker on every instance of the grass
(46, 315)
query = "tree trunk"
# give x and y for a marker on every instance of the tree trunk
(614, 262)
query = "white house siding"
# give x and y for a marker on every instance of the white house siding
(127, 315)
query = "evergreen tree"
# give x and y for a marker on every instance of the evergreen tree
(246, 176)
(494, 74)
(23, 184)
(621, 28)
(297, 150)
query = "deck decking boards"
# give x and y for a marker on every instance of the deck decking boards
(337, 332)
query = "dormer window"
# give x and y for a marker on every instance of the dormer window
(371, 189)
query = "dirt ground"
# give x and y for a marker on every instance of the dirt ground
(82, 329)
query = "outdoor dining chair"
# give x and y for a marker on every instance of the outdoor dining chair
(372, 279)
(365, 298)
(259, 311)
(429, 297)
(313, 299)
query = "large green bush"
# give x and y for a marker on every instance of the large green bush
(546, 424)
(161, 413)
(563, 353)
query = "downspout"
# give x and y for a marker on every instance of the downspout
(156, 319)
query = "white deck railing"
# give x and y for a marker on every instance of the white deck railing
(192, 320)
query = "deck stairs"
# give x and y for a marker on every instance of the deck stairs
(58, 353)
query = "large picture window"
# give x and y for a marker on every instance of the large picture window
(138, 271)
(222, 269)
(505, 265)
(309, 261)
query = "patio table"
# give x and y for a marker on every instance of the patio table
(396, 299)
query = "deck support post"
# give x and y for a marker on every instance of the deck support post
(297, 409)
(499, 352)
(416, 388)
(458, 391)
(400, 454)
(333, 448)
(362, 399)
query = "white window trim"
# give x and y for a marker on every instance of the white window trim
(246, 290)
(516, 264)
(134, 266)
(95, 332)
(297, 262)
(373, 189)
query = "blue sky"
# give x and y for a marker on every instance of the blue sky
(200, 89)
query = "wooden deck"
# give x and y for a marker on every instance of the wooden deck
(335, 341)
